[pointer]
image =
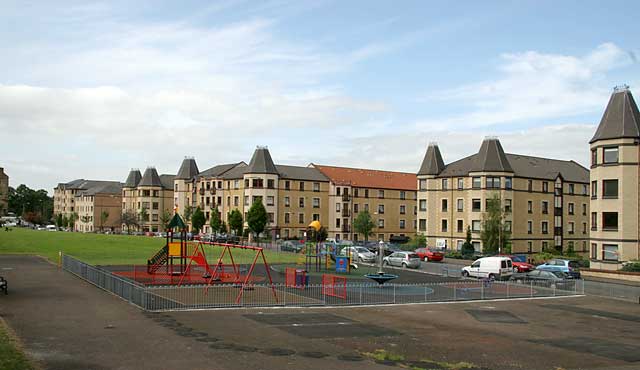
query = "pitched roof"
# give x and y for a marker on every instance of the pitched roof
(432, 164)
(82, 184)
(525, 166)
(103, 187)
(491, 157)
(261, 162)
(167, 181)
(621, 118)
(150, 178)
(133, 179)
(236, 172)
(365, 178)
(217, 171)
(188, 169)
(300, 173)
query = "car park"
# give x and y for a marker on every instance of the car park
(569, 267)
(490, 267)
(427, 254)
(360, 254)
(402, 259)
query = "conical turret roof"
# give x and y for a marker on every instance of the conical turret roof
(432, 164)
(133, 179)
(150, 178)
(491, 157)
(621, 118)
(261, 162)
(188, 169)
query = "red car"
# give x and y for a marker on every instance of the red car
(426, 254)
(519, 263)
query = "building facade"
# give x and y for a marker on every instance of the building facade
(615, 190)
(89, 200)
(4, 192)
(149, 197)
(545, 201)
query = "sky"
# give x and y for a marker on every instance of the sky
(90, 90)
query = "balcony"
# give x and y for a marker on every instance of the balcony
(346, 213)
(346, 229)
(201, 191)
(346, 197)
(212, 191)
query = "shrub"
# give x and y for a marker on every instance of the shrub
(467, 250)
(633, 266)
(453, 254)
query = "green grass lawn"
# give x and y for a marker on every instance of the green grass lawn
(10, 356)
(99, 249)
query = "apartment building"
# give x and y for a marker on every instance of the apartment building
(4, 192)
(546, 201)
(615, 192)
(88, 199)
(150, 197)
(389, 197)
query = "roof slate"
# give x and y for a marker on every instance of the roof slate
(133, 179)
(217, 171)
(365, 178)
(188, 169)
(491, 157)
(621, 118)
(261, 162)
(432, 164)
(150, 178)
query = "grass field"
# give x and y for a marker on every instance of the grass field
(10, 356)
(99, 249)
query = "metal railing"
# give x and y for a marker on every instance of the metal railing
(189, 297)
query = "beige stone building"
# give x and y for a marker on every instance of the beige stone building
(546, 200)
(4, 192)
(89, 199)
(389, 197)
(149, 197)
(615, 191)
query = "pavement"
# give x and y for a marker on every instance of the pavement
(67, 323)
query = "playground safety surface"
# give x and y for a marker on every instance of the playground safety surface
(66, 323)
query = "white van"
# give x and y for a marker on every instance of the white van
(490, 267)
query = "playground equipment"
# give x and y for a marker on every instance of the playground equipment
(172, 251)
(381, 277)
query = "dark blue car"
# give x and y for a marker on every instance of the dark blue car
(569, 267)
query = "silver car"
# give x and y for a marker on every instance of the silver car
(359, 254)
(402, 259)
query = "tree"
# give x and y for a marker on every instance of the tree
(197, 220)
(73, 217)
(257, 218)
(420, 241)
(495, 235)
(363, 224)
(215, 222)
(188, 213)
(143, 215)
(320, 235)
(165, 218)
(23, 199)
(65, 221)
(223, 228)
(467, 248)
(85, 219)
(129, 219)
(59, 220)
(236, 223)
(104, 216)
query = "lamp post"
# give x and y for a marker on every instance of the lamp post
(380, 254)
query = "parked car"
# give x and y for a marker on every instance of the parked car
(359, 254)
(291, 246)
(402, 259)
(387, 248)
(490, 267)
(544, 278)
(427, 254)
(520, 263)
(567, 266)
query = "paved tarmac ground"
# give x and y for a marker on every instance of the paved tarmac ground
(66, 323)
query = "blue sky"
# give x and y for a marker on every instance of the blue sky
(89, 90)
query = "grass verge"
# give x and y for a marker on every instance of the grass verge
(11, 356)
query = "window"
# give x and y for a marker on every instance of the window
(609, 188)
(287, 202)
(301, 218)
(301, 185)
(584, 209)
(366, 207)
(610, 220)
(594, 221)
(423, 184)
(594, 251)
(508, 182)
(571, 208)
(460, 205)
(545, 187)
(445, 204)
(316, 202)
(154, 217)
(529, 206)
(584, 190)
(445, 184)
(493, 182)
(571, 189)
(246, 200)
(529, 185)
(287, 185)
(610, 252)
(460, 227)
(301, 202)
(287, 218)
(337, 190)
(545, 207)
(257, 198)
(422, 224)
(270, 200)
(257, 183)
(403, 195)
(423, 204)
(507, 205)
(366, 193)
(338, 207)
(529, 246)
(381, 209)
(380, 223)
(380, 194)
(594, 189)
(155, 205)
(402, 223)
(529, 227)
(337, 222)
(403, 209)
(507, 226)
(270, 183)
(571, 227)
(477, 182)
(476, 204)
(545, 227)
(584, 227)
(270, 217)
(610, 155)
(594, 157)
(460, 183)
(316, 186)
(475, 225)
(444, 226)
(355, 193)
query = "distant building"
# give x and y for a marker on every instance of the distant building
(4, 192)
(546, 201)
(615, 189)
(91, 201)
(149, 197)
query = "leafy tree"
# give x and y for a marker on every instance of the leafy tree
(188, 213)
(363, 224)
(165, 218)
(65, 221)
(197, 220)
(32, 217)
(129, 219)
(495, 235)
(73, 217)
(236, 223)
(85, 219)
(104, 216)
(59, 220)
(143, 215)
(257, 218)
(24, 199)
(214, 221)
(223, 227)
(420, 241)
(467, 248)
